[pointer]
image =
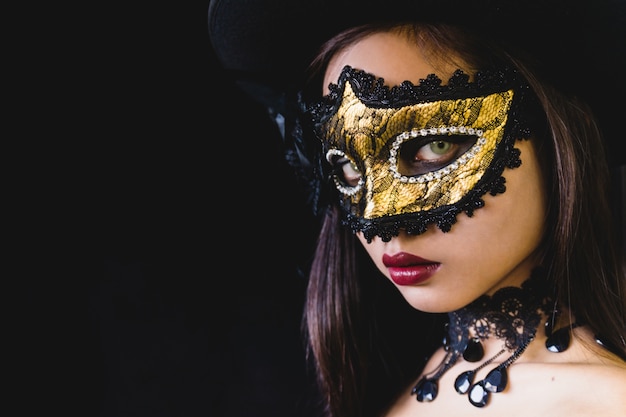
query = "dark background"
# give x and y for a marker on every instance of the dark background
(188, 300)
(161, 234)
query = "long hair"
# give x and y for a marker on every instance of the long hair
(362, 355)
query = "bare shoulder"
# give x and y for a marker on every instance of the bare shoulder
(582, 389)
(585, 380)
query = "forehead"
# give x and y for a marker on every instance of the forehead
(389, 55)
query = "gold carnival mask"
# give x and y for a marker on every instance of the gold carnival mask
(407, 156)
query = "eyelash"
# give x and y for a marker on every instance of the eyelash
(445, 131)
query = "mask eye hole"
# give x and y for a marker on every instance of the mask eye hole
(346, 174)
(430, 153)
(421, 155)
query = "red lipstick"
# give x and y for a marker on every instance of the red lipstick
(407, 269)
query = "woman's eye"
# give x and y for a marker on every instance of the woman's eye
(427, 154)
(434, 150)
(347, 172)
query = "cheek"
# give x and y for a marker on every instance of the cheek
(509, 227)
(523, 206)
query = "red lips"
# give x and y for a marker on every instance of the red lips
(404, 259)
(407, 269)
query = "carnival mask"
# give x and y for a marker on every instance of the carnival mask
(407, 156)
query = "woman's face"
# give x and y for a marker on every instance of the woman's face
(443, 271)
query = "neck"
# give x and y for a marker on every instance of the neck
(511, 314)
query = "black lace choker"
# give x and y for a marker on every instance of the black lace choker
(513, 315)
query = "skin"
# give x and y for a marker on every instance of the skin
(493, 249)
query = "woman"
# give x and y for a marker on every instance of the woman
(466, 185)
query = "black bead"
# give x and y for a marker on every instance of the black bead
(473, 351)
(496, 380)
(478, 395)
(559, 340)
(425, 390)
(610, 346)
(464, 381)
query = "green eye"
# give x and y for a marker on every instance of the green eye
(440, 147)
(429, 153)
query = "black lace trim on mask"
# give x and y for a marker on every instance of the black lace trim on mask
(373, 92)
(304, 147)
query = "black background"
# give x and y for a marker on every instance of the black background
(192, 234)
(160, 233)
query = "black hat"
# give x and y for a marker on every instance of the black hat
(266, 45)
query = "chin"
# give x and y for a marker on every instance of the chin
(428, 303)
